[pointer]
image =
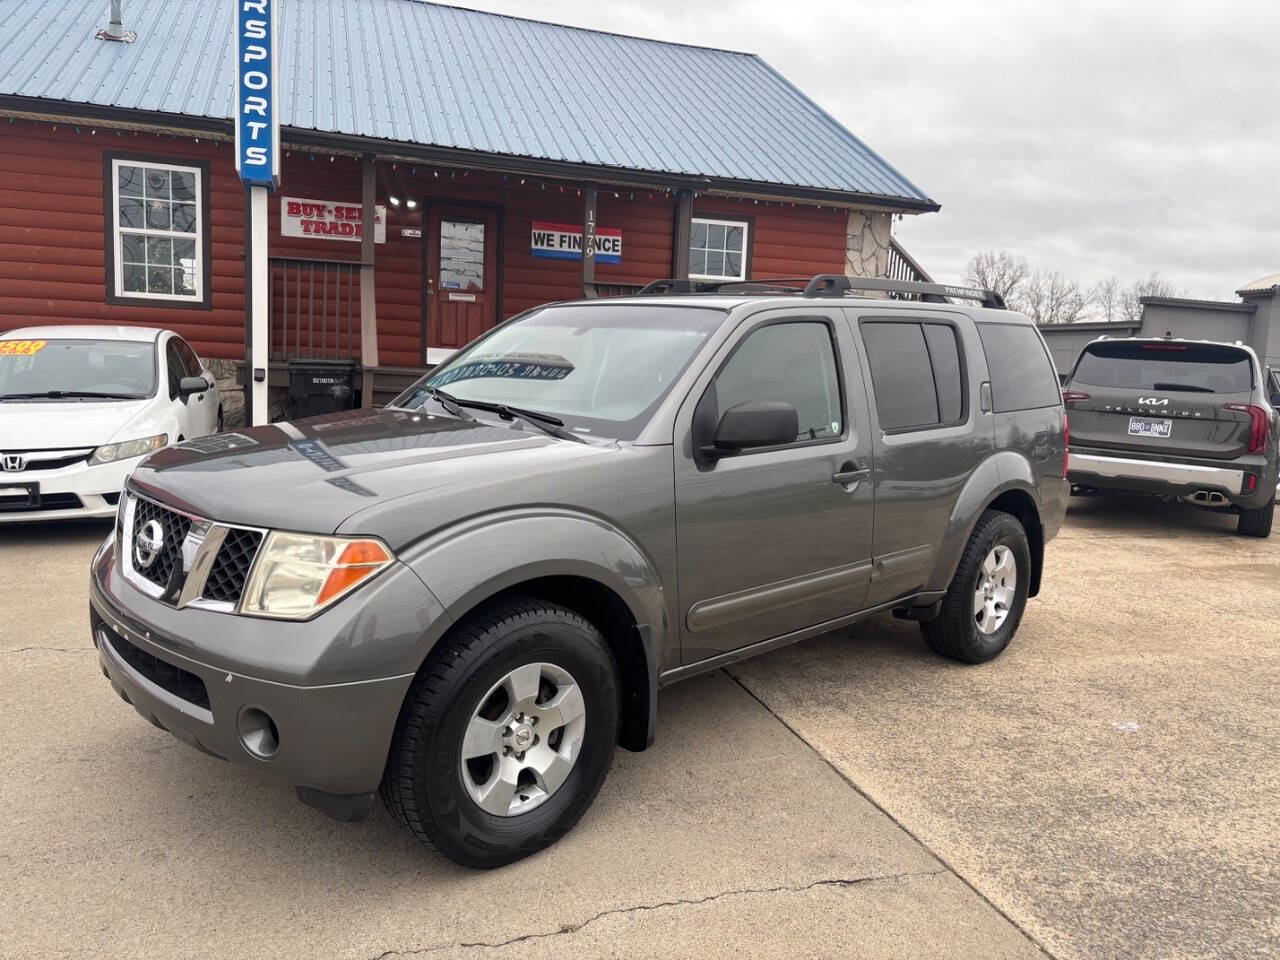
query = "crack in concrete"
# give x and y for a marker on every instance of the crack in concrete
(570, 928)
(948, 868)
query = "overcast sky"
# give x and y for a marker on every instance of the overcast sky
(1111, 137)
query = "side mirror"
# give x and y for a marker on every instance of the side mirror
(192, 385)
(1275, 400)
(755, 423)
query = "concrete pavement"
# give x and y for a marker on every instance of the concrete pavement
(1107, 787)
(1111, 780)
(730, 837)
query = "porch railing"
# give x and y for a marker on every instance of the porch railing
(605, 289)
(902, 266)
(315, 309)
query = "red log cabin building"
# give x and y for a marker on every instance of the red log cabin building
(480, 142)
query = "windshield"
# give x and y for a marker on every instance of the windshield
(601, 369)
(1195, 368)
(124, 369)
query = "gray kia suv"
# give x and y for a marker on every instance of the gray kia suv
(1190, 419)
(467, 599)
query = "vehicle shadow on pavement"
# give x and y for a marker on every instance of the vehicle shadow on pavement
(1135, 515)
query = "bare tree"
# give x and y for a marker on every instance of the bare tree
(1048, 297)
(998, 270)
(1106, 297)
(1152, 286)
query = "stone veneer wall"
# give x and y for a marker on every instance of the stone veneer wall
(867, 243)
(229, 392)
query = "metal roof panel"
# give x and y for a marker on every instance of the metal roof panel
(418, 72)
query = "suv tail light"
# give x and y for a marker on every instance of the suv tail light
(1073, 396)
(1066, 443)
(1259, 427)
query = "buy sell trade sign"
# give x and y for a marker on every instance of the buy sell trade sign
(563, 241)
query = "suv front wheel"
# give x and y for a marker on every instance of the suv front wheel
(984, 603)
(506, 734)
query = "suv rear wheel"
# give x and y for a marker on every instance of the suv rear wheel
(506, 735)
(1256, 523)
(984, 603)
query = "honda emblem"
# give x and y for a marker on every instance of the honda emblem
(13, 462)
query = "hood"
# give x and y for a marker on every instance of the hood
(313, 474)
(51, 424)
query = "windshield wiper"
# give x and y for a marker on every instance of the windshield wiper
(60, 394)
(545, 422)
(1183, 386)
(449, 402)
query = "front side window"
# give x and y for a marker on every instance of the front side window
(78, 369)
(601, 369)
(157, 229)
(718, 249)
(793, 362)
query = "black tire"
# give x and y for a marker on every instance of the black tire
(1257, 523)
(423, 786)
(955, 632)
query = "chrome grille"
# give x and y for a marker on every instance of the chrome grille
(28, 461)
(200, 563)
(174, 527)
(231, 567)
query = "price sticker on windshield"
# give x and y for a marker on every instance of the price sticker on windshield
(21, 348)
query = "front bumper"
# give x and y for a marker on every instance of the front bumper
(1170, 477)
(78, 491)
(329, 737)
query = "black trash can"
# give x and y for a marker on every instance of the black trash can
(321, 386)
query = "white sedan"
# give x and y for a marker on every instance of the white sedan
(81, 405)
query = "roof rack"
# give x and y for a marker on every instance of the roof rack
(826, 285)
(763, 285)
(837, 285)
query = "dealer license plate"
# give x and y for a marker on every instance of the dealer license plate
(1149, 427)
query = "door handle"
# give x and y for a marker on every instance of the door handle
(849, 476)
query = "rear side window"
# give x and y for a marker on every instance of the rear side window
(1022, 377)
(915, 372)
(1165, 366)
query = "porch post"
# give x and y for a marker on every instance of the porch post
(368, 302)
(589, 242)
(682, 235)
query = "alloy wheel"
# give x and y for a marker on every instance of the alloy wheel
(523, 739)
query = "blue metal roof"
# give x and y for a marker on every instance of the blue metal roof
(423, 73)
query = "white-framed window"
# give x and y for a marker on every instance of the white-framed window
(718, 249)
(157, 212)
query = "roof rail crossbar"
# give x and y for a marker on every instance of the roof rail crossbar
(837, 285)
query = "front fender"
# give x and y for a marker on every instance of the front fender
(466, 564)
(998, 474)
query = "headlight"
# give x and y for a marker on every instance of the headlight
(296, 575)
(110, 452)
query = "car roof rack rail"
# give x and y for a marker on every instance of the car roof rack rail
(826, 285)
(837, 285)
(763, 285)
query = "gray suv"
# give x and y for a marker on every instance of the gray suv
(1190, 419)
(467, 599)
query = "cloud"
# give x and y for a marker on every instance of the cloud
(1094, 137)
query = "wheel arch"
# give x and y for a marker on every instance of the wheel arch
(1006, 482)
(599, 573)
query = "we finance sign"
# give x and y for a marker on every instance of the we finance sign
(563, 241)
